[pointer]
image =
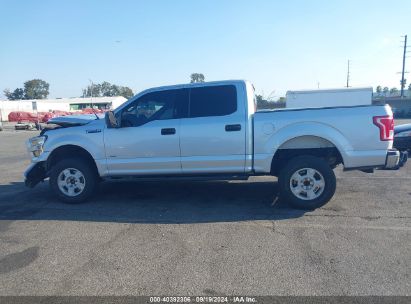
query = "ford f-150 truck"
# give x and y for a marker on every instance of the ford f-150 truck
(212, 131)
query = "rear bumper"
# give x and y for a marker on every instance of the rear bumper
(393, 164)
(392, 160)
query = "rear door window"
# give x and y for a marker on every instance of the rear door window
(213, 101)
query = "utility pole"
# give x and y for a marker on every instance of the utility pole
(348, 74)
(403, 80)
(92, 86)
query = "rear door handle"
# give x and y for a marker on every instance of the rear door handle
(233, 128)
(168, 131)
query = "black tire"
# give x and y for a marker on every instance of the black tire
(286, 181)
(90, 179)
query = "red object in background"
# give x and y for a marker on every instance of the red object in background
(46, 116)
(58, 113)
(22, 116)
(29, 117)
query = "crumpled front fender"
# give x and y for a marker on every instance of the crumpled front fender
(34, 174)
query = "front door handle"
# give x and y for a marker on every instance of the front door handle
(233, 128)
(168, 131)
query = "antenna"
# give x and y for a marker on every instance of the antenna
(91, 94)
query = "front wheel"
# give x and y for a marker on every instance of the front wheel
(73, 180)
(307, 182)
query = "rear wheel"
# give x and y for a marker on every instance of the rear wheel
(307, 182)
(73, 180)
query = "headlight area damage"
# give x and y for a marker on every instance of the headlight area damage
(37, 170)
(35, 145)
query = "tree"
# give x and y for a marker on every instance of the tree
(409, 87)
(33, 89)
(107, 89)
(92, 90)
(393, 91)
(126, 92)
(264, 103)
(260, 100)
(17, 94)
(36, 89)
(379, 89)
(197, 77)
(385, 90)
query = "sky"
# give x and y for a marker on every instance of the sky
(277, 45)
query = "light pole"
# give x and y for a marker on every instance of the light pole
(91, 92)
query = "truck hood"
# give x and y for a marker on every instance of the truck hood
(73, 120)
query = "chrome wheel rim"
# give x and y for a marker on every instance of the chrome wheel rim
(71, 182)
(307, 184)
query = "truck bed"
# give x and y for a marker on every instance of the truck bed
(350, 129)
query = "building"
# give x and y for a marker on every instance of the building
(59, 104)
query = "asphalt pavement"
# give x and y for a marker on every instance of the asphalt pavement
(202, 238)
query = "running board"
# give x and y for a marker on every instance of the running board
(179, 178)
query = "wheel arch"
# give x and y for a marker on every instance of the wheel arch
(314, 134)
(69, 151)
(305, 145)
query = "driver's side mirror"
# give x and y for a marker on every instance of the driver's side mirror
(111, 120)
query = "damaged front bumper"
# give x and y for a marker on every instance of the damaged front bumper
(34, 174)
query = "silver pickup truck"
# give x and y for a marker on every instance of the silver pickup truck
(212, 131)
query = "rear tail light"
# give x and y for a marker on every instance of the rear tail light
(386, 126)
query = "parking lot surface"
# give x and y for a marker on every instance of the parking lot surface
(202, 238)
